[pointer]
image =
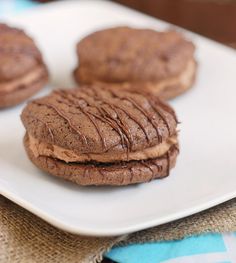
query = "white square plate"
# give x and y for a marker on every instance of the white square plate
(205, 174)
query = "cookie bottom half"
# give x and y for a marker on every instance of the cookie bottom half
(123, 173)
(166, 89)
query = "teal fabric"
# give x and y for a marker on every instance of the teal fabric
(161, 251)
(214, 248)
(24, 4)
(8, 7)
(200, 248)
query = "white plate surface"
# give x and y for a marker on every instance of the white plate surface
(205, 174)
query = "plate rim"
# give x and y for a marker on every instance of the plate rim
(106, 232)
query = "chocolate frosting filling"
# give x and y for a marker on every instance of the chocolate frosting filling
(40, 148)
(24, 81)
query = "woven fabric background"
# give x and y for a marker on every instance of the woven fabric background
(26, 238)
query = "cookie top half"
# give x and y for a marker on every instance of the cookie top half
(18, 53)
(87, 121)
(125, 54)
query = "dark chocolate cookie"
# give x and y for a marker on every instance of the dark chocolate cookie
(106, 137)
(160, 62)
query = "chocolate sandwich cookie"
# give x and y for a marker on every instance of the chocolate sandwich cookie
(22, 70)
(160, 62)
(98, 136)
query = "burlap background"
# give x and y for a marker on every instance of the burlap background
(24, 238)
